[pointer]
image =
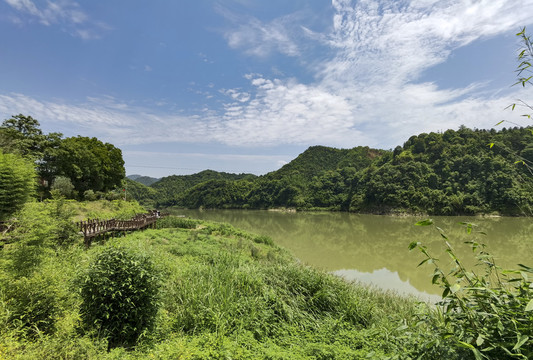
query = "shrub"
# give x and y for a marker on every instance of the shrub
(120, 295)
(32, 304)
(177, 222)
(491, 313)
(89, 195)
(17, 183)
(62, 186)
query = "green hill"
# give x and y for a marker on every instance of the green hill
(318, 159)
(456, 172)
(145, 180)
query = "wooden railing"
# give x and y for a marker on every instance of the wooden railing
(95, 227)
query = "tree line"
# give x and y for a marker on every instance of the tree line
(37, 164)
(464, 171)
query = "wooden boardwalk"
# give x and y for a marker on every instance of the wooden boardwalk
(93, 228)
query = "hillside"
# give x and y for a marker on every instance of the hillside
(169, 187)
(144, 194)
(450, 173)
(145, 180)
(318, 159)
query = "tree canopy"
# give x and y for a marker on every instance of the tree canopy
(88, 163)
(460, 171)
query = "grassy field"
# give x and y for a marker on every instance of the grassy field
(223, 294)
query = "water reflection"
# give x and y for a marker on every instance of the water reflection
(388, 281)
(371, 244)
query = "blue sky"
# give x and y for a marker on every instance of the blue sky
(247, 85)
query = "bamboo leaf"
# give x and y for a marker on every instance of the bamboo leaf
(455, 288)
(413, 244)
(426, 222)
(480, 340)
(529, 306)
(521, 341)
(423, 262)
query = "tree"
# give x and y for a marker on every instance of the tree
(62, 186)
(17, 183)
(21, 135)
(90, 164)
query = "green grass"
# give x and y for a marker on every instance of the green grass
(104, 209)
(226, 294)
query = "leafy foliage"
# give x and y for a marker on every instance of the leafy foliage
(33, 304)
(62, 186)
(489, 313)
(120, 295)
(87, 162)
(451, 173)
(21, 134)
(145, 180)
(90, 164)
(17, 183)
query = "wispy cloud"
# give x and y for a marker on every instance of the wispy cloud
(106, 118)
(261, 39)
(66, 13)
(365, 92)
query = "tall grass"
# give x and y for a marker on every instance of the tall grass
(225, 294)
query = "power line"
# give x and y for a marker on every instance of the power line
(161, 167)
(180, 168)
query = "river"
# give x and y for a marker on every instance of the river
(373, 249)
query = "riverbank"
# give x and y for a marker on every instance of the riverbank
(225, 293)
(214, 292)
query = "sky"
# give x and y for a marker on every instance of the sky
(244, 86)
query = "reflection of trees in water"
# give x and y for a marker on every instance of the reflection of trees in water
(334, 241)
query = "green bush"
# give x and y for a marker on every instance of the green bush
(47, 223)
(120, 295)
(17, 183)
(489, 313)
(89, 195)
(177, 222)
(62, 186)
(32, 304)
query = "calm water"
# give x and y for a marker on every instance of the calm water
(373, 249)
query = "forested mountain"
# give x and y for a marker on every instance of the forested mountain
(455, 172)
(143, 194)
(145, 180)
(169, 187)
(318, 159)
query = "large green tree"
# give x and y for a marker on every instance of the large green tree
(90, 164)
(22, 135)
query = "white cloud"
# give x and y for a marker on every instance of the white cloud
(237, 95)
(364, 93)
(66, 13)
(112, 121)
(261, 39)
